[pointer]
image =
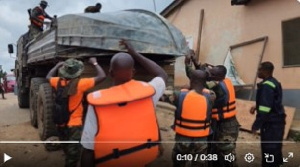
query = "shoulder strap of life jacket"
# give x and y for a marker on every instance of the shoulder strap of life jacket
(225, 90)
(209, 104)
(181, 97)
(41, 10)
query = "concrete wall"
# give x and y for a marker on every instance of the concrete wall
(226, 25)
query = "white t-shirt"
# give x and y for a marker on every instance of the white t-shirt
(90, 126)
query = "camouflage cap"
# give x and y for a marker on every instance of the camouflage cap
(71, 68)
(45, 3)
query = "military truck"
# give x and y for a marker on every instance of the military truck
(82, 36)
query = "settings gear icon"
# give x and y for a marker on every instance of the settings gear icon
(249, 157)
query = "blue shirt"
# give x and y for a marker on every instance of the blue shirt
(269, 103)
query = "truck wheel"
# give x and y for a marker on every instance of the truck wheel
(23, 97)
(34, 88)
(46, 127)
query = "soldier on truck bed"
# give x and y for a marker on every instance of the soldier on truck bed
(93, 9)
(37, 17)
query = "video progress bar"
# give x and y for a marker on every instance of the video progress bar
(162, 142)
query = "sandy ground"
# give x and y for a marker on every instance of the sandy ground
(15, 126)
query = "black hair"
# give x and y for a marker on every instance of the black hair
(99, 4)
(222, 71)
(267, 66)
(198, 76)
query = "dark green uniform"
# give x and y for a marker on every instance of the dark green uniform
(71, 150)
(225, 134)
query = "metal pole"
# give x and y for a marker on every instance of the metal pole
(154, 4)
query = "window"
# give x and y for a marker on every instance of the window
(291, 42)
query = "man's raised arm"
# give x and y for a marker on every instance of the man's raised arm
(148, 64)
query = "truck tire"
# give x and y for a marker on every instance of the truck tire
(34, 88)
(23, 96)
(46, 127)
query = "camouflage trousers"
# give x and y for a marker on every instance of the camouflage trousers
(185, 147)
(72, 151)
(34, 32)
(223, 141)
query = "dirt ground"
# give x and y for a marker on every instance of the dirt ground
(15, 127)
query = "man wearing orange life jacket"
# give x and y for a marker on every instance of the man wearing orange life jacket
(74, 88)
(121, 127)
(192, 120)
(37, 18)
(224, 124)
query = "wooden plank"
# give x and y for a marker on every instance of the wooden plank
(260, 60)
(199, 34)
(246, 119)
(262, 39)
(248, 42)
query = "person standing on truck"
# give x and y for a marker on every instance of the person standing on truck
(192, 120)
(69, 73)
(270, 117)
(37, 17)
(121, 127)
(93, 9)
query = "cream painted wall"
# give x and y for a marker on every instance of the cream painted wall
(226, 25)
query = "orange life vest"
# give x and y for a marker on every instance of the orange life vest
(128, 133)
(193, 115)
(228, 109)
(40, 17)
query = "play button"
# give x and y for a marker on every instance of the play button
(6, 157)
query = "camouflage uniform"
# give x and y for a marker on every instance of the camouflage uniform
(72, 150)
(225, 135)
(187, 145)
(34, 31)
(225, 132)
